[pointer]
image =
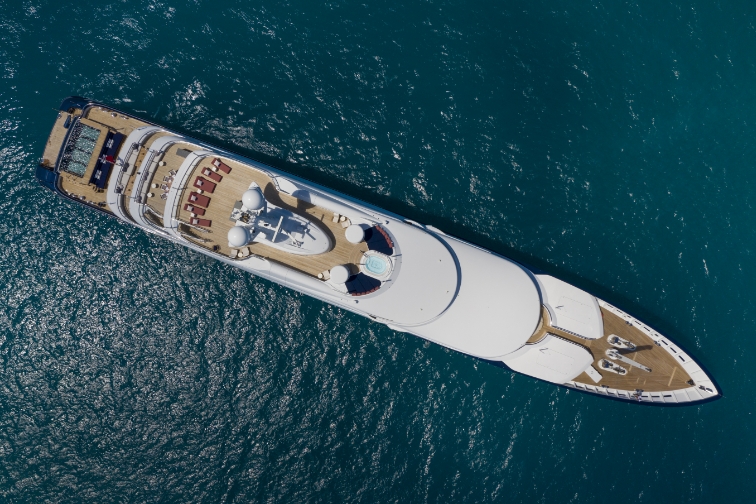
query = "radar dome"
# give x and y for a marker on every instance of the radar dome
(237, 236)
(253, 199)
(340, 274)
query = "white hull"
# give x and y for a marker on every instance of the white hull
(439, 288)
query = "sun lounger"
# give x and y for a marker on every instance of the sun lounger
(194, 209)
(210, 174)
(204, 184)
(221, 166)
(198, 199)
(201, 222)
(164, 196)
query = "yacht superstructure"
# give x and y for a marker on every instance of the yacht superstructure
(411, 277)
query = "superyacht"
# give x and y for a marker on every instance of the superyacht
(412, 277)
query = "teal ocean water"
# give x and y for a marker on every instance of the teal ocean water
(608, 143)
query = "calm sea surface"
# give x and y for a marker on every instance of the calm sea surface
(608, 143)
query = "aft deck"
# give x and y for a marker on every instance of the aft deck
(76, 185)
(211, 232)
(666, 373)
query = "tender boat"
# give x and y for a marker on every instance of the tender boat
(412, 277)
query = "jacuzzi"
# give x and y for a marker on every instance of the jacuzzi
(376, 265)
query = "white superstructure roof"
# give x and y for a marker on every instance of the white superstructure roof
(497, 308)
(423, 286)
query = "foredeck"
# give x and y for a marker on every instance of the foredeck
(229, 191)
(666, 374)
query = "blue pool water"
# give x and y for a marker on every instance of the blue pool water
(607, 142)
(376, 265)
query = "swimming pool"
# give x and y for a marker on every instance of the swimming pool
(376, 265)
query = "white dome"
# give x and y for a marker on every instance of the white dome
(237, 236)
(340, 274)
(355, 234)
(253, 199)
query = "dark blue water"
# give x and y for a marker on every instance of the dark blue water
(608, 143)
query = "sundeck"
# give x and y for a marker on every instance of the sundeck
(411, 277)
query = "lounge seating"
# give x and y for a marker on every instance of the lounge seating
(164, 187)
(326, 275)
(199, 199)
(204, 184)
(221, 166)
(365, 293)
(167, 178)
(233, 254)
(385, 236)
(361, 284)
(201, 222)
(194, 210)
(245, 252)
(378, 239)
(164, 196)
(212, 175)
(346, 223)
(336, 217)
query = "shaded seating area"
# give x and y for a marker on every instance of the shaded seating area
(106, 159)
(199, 199)
(221, 166)
(204, 184)
(361, 284)
(378, 239)
(207, 172)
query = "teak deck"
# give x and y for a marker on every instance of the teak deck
(666, 374)
(102, 119)
(230, 190)
(226, 194)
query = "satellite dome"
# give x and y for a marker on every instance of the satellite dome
(253, 199)
(355, 233)
(237, 236)
(340, 274)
